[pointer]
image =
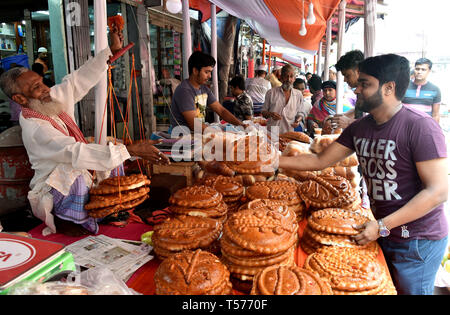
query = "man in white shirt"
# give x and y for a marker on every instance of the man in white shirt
(284, 106)
(257, 88)
(57, 150)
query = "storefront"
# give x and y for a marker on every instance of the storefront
(165, 42)
(166, 31)
(22, 33)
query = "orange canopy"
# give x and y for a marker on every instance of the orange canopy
(289, 16)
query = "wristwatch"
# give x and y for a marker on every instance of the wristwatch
(383, 231)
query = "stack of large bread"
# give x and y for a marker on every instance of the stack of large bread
(248, 159)
(192, 273)
(287, 137)
(347, 168)
(350, 271)
(199, 200)
(289, 280)
(335, 256)
(281, 190)
(117, 194)
(326, 191)
(335, 227)
(254, 239)
(230, 188)
(270, 204)
(183, 232)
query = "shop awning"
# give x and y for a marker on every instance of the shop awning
(204, 7)
(291, 57)
(278, 22)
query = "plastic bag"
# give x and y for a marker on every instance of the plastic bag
(94, 281)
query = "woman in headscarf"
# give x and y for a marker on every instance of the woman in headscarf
(325, 107)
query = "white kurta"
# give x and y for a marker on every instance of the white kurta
(275, 102)
(58, 159)
(257, 88)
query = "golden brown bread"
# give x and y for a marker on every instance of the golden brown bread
(289, 280)
(192, 273)
(297, 136)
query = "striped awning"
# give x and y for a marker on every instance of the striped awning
(279, 22)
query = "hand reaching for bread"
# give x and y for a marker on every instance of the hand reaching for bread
(146, 150)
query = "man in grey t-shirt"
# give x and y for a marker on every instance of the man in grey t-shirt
(192, 96)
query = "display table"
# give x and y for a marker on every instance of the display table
(132, 231)
(185, 169)
(142, 280)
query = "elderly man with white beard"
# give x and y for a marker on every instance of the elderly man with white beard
(57, 150)
(284, 106)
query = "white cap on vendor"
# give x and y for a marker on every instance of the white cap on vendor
(42, 50)
(261, 68)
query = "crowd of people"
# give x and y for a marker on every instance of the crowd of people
(275, 95)
(389, 120)
(400, 147)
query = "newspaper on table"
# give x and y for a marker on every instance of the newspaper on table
(123, 257)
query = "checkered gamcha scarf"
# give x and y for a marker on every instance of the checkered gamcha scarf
(72, 127)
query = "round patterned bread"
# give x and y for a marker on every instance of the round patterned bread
(327, 191)
(200, 196)
(246, 272)
(192, 273)
(277, 190)
(125, 180)
(257, 260)
(347, 269)
(218, 210)
(329, 239)
(103, 212)
(271, 204)
(297, 136)
(186, 232)
(262, 231)
(228, 246)
(227, 186)
(104, 189)
(102, 201)
(252, 167)
(336, 221)
(251, 148)
(289, 280)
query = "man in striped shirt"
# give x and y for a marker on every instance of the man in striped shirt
(422, 94)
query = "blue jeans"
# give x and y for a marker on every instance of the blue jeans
(413, 264)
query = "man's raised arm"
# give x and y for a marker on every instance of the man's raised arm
(334, 153)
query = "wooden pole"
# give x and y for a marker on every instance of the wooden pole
(319, 59)
(215, 80)
(340, 77)
(370, 15)
(264, 52)
(314, 64)
(187, 43)
(270, 59)
(326, 74)
(100, 42)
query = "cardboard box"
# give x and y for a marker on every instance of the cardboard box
(29, 259)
